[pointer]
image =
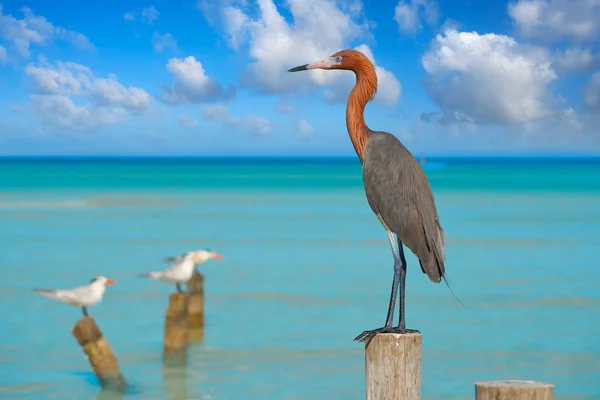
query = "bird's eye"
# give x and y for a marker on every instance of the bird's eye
(338, 59)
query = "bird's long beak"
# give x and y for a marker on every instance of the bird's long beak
(325, 64)
(218, 256)
(110, 282)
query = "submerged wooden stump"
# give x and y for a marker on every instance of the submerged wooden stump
(175, 376)
(99, 353)
(196, 301)
(196, 307)
(176, 325)
(195, 335)
(513, 390)
(393, 366)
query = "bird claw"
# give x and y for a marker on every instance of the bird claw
(369, 335)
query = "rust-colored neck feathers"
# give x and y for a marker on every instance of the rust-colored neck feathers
(361, 94)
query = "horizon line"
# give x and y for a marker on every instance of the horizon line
(518, 156)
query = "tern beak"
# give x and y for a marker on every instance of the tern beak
(218, 256)
(110, 282)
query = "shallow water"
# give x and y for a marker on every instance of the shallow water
(306, 268)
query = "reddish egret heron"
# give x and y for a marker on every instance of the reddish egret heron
(396, 187)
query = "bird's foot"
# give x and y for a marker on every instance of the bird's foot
(369, 335)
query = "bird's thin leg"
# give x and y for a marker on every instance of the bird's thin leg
(368, 335)
(390, 316)
(401, 321)
(401, 328)
(389, 320)
(179, 289)
(85, 312)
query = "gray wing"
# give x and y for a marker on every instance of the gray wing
(398, 192)
(174, 259)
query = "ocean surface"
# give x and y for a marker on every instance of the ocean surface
(306, 268)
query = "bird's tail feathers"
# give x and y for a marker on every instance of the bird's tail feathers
(438, 250)
(441, 256)
(431, 255)
(151, 275)
(431, 266)
(436, 271)
(46, 292)
(445, 277)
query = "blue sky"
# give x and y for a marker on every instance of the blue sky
(209, 77)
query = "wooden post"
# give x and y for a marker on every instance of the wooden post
(100, 355)
(393, 366)
(513, 390)
(196, 307)
(176, 325)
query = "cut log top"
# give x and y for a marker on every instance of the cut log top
(514, 382)
(382, 344)
(513, 390)
(177, 304)
(86, 331)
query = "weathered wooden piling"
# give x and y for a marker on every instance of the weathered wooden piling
(196, 307)
(393, 366)
(513, 390)
(99, 353)
(176, 325)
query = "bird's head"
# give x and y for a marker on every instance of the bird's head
(345, 59)
(202, 256)
(103, 281)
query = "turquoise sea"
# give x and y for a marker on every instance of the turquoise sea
(306, 268)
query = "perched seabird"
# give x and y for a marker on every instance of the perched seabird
(183, 267)
(82, 296)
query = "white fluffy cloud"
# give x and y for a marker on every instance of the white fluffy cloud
(20, 34)
(591, 92)
(212, 8)
(236, 24)
(61, 112)
(148, 15)
(187, 122)
(110, 93)
(319, 29)
(248, 123)
(65, 79)
(408, 14)
(575, 60)
(192, 85)
(487, 79)
(99, 101)
(163, 42)
(555, 19)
